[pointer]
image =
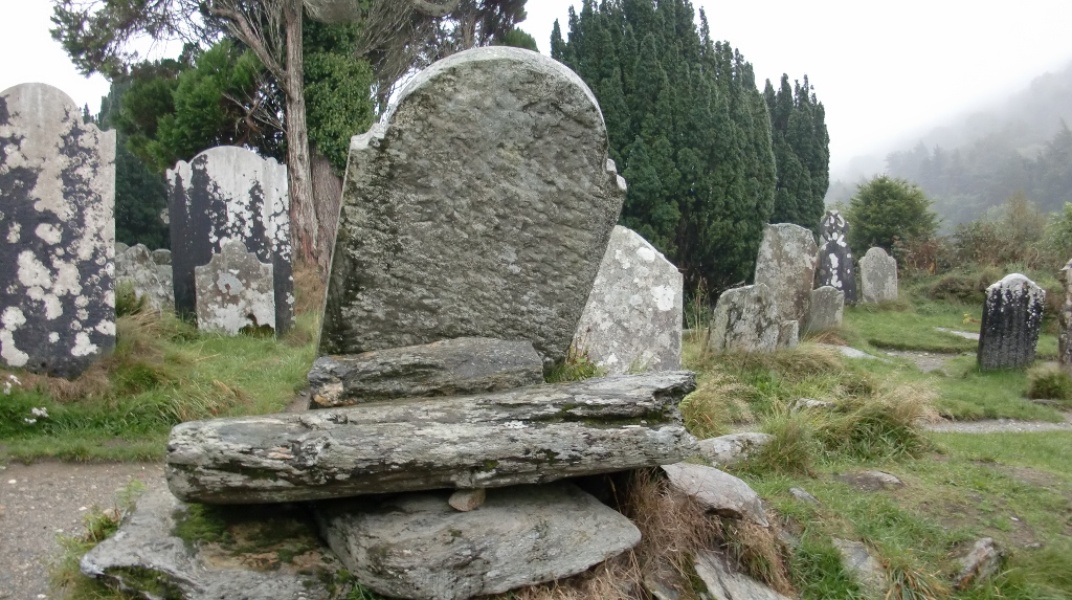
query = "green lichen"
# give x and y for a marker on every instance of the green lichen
(147, 581)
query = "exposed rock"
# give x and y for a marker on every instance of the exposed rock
(872, 480)
(444, 368)
(136, 267)
(415, 546)
(849, 352)
(120, 247)
(146, 557)
(803, 496)
(745, 320)
(500, 240)
(725, 583)
(467, 500)
(632, 320)
(878, 276)
(529, 435)
(810, 404)
(981, 563)
(1012, 317)
(718, 491)
(968, 335)
(235, 292)
(162, 256)
(789, 334)
(786, 265)
(856, 559)
(826, 309)
(727, 450)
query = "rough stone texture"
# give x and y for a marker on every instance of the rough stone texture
(632, 321)
(803, 496)
(835, 268)
(826, 309)
(481, 206)
(467, 500)
(120, 248)
(228, 193)
(786, 265)
(801, 404)
(723, 582)
(530, 435)
(235, 292)
(162, 256)
(1064, 338)
(145, 557)
(789, 334)
(984, 560)
(727, 450)
(1012, 316)
(745, 320)
(878, 277)
(416, 546)
(872, 480)
(445, 368)
(856, 559)
(135, 266)
(57, 233)
(718, 491)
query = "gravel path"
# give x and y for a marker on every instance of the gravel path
(999, 426)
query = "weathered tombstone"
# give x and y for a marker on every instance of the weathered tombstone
(229, 193)
(786, 265)
(632, 321)
(235, 292)
(162, 256)
(136, 267)
(826, 309)
(1012, 316)
(480, 207)
(878, 276)
(1064, 340)
(57, 197)
(745, 320)
(835, 268)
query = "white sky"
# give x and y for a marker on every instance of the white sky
(882, 71)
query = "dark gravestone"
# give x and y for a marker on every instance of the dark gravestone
(1064, 339)
(835, 268)
(57, 233)
(1012, 315)
(228, 193)
(480, 207)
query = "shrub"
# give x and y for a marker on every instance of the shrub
(1050, 384)
(887, 209)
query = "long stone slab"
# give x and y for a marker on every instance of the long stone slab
(529, 435)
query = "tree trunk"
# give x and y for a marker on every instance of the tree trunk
(303, 221)
(327, 196)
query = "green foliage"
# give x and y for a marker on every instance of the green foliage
(1050, 383)
(885, 210)
(1013, 233)
(518, 38)
(127, 301)
(801, 151)
(337, 103)
(576, 367)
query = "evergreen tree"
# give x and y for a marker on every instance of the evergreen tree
(801, 150)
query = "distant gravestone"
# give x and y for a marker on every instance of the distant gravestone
(745, 320)
(1064, 340)
(481, 206)
(878, 276)
(229, 193)
(235, 292)
(136, 267)
(826, 309)
(632, 321)
(162, 256)
(835, 268)
(57, 233)
(1012, 316)
(786, 265)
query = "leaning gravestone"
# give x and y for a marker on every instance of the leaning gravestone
(480, 207)
(786, 265)
(878, 276)
(1064, 340)
(745, 320)
(57, 197)
(229, 193)
(632, 321)
(1012, 316)
(835, 267)
(235, 292)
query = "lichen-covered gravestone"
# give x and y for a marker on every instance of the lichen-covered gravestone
(228, 193)
(745, 320)
(1012, 315)
(826, 309)
(135, 266)
(480, 207)
(878, 276)
(235, 292)
(1064, 340)
(632, 321)
(786, 265)
(57, 233)
(835, 268)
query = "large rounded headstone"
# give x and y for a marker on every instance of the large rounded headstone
(878, 276)
(57, 233)
(480, 207)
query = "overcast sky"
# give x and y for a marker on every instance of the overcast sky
(882, 71)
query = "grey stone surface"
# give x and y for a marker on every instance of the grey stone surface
(235, 292)
(416, 546)
(632, 320)
(803, 496)
(725, 583)
(826, 309)
(57, 233)
(856, 559)
(968, 335)
(789, 334)
(745, 320)
(135, 266)
(872, 480)
(727, 450)
(835, 265)
(718, 491)
(810, 404)
(529, 435)
(878, 277)
(481, 206)
(1012, 317)
(1064, 337)
(467, 500)
(445, 368)
(120, 247)
(786, 265)
(162, 256)
(146, 558)
(230, 194)
(982, 562)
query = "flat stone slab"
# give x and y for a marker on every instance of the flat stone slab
(416, 546)
(856, 559)
(731, 449)
(147, 558)
(480, 207)
(718, 491)
(446, 368)
(535, 434)
(745, 320)
(723, 582)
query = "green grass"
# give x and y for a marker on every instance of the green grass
(970, 394)
(907, 326)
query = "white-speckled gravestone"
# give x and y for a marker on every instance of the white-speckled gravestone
(745, 320)
(835, 268)
(229, 193)
(481, 207)
(786, 265)
(632, 321)
(878, 276)
(57, 233)
(235, 292)
(1012, 316)
(1064, 339)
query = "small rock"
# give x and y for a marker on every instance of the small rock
(718, 491)
(872, 480)
(728, 450)
(857, 560)
(467, 500)
(803, 496)
(723, 582)
(809, 404)
(984, 559)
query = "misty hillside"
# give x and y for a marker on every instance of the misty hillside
(982, 158)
